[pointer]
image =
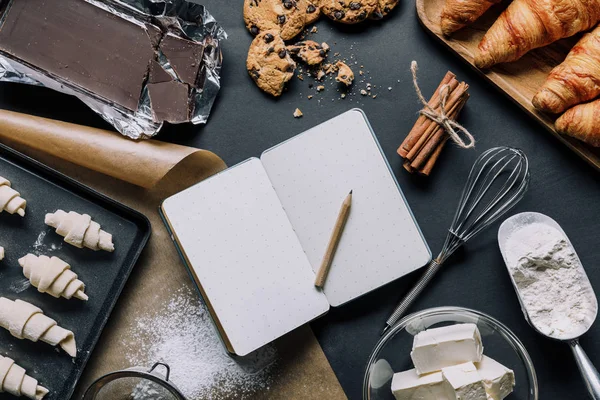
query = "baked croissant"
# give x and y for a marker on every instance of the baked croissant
(52, 276)
(575, 80)
(11, 200)
(457, 14)
(80, 231)
(25, 321)
(528, 24)
(582, 122)
(15, 381)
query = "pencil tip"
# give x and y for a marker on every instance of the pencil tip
(351, 191)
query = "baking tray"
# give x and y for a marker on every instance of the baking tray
(518, 80)
(103, 273)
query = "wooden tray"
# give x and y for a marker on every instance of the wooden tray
(519, 80)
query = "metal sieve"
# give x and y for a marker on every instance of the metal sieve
(134, 384)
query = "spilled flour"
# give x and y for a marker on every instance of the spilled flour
(182, 335)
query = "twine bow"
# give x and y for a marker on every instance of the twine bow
(453, 128)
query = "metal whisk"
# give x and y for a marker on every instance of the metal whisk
(497, 181)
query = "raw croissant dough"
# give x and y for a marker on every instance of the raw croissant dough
(25, 321)
(11, 200)
(79, 230)
(52, 276)
(13, 380)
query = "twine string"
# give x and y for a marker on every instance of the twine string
(452, 128)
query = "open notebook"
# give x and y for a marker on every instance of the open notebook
(254, 235)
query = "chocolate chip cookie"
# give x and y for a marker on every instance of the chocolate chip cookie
(348, 11)
(313, 12)
(309, 51)
(269, 62)
(286, 16)
(384, 7)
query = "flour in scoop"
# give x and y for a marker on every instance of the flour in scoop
(551, 281)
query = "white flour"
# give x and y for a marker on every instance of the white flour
(551, 281)
(182, 336)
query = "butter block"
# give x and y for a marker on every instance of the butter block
(408, 385)
(498, 380)
(437, 348)
(466, 382)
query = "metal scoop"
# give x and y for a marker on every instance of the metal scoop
(588, 371)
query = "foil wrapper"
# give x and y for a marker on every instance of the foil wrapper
(189, 20)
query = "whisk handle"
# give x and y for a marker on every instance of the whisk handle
(430, 271)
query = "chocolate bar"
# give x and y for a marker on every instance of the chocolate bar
(107, 55)
(81, 44)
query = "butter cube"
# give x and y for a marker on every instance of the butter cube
(437, 348)
(408, 385)
(499, 381)
(466, 382)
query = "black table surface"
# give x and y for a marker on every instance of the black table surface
(244, 122)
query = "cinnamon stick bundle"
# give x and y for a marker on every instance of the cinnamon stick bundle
(424, 143)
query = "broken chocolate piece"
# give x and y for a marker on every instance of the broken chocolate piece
(154, 33)
(170, 101)
(184, 56)
(157, 73)
(82, 44)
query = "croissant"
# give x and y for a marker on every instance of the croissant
(13, 380)
(52, 276)
(25, 321)
(582, 122)
(528, 24)
(574, 81)
(457, 14)
(11, 200)
(79, 230)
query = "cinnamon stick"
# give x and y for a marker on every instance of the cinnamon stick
(436, 137)
(426, 170)
(422, 121)
(453, 98)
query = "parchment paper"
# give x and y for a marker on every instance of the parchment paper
(141, 175)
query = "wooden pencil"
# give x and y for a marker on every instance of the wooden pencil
(340, 223)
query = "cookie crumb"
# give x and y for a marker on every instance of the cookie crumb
(320, 88)
(363, 92)
(298, 113)
(361, 73)
(325, 46)
(301, 77)
(374, 96)
(345, 74)
(343, 96)
(314, 29)
(390, 88)
(310, 96)
(320, 74)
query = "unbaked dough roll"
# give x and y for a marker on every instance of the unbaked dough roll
(11, 200)
(15, 381)
(80, 231)
(25, 321)
(52, 276)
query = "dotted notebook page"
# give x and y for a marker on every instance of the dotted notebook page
(313, 172)
(242, 247)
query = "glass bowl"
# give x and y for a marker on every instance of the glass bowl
(392, 352)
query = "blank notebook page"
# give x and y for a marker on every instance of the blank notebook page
(241, 246)
(313, 172)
